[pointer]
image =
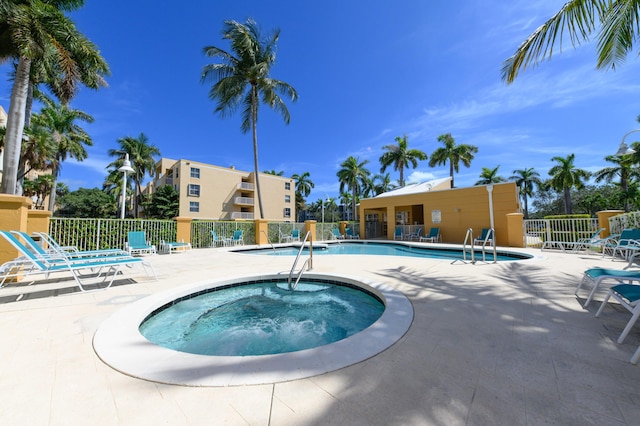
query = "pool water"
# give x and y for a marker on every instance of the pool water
(262, 318)
(390, 249)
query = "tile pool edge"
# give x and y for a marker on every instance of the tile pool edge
(119, 344)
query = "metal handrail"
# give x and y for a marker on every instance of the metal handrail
(308, 262)
(468, 237)
(490, 235)
(268, 241)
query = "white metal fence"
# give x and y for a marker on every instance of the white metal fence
(624, 221)
(93, 234)
(537, 231)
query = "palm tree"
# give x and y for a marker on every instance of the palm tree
(352, 175)
(617, 22)
(525, 179)
(141, 154)
(490, 176)
(452, 153)
(112, 184)
(565, 176)
(273, 172)
(382, 183)
(68, 136)
(400, 157)
(244, 78)
(623, 169)
(303, 186)
(38, 34)
(303, 183)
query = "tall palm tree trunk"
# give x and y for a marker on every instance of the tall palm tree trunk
(567, 200)
(451, 172)
(254, 125)
(354, 203)
(15, 126)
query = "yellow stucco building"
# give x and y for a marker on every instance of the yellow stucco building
(224, 193)
(434, 204)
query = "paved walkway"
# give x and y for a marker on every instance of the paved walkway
(503, 343)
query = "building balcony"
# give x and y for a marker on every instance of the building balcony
(246, 186)
(242, 215)
(243, 201)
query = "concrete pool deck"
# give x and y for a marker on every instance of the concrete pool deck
(504, 343)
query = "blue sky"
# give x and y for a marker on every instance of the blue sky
(365, 73)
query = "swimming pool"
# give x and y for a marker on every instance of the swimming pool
(263, 318)
(388, 249)
(119, 343)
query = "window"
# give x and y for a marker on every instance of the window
(287, 198)
(287, 186)
(194, 206)
(287, 212)
(193, 190)
(195, 173)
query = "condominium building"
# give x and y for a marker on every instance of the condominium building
(224, 193)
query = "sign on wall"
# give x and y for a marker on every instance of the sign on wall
(436, 216)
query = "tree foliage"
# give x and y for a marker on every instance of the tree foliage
(87, 203)
(164, 203)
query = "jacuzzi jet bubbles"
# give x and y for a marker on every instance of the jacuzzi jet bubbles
(261, 319)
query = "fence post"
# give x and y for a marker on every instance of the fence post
(262, 231)
(13, 217)
(310, 226)
(603, 220)
(515, 230)
(183, 229)
(38, 221)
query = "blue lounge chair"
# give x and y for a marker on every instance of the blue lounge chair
(415, 235)
(295, 235)
(237, 238)
(626, 246)
(29, 263)
(216, 240)
(596, 276)
(433, 237)
(485, 238)
(628, 295)
(335, 232)
(351, 235)
(588, 243)
(137, 243)
(398, 234)
(169, 247)
(70, 251)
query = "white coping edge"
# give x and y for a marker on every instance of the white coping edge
(119, 344)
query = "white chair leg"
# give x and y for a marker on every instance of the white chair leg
(604, 303)
(630, 324)
(636, 356)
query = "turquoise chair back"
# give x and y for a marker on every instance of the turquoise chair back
(137, 239)
(433, 232)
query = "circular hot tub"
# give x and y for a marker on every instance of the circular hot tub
(197, 310)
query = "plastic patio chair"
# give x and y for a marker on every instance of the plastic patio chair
(29, 263)
(237, 238)
(486, 237)
(398, 234)
(137, 243)
(433, 237)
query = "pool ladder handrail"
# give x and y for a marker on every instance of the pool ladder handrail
(491, 235)
(269, 241)
(468, 238)
(308, 262)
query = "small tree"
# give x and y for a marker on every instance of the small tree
(164, 203)
(87, 203)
